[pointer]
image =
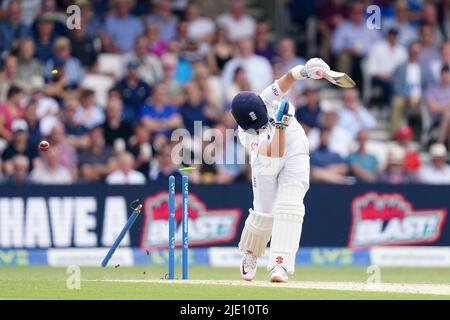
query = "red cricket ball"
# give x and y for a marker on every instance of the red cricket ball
(44, 145)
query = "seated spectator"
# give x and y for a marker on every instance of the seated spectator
(352, 41)
(220, 52)
(31, 117)
(438, 99)
(141, 148)
(134, 91)
(12, 28)
(328, 166)
(240, 83)
(29, 68)
(115, 127)
(45, 105)
(9, 76)
(340, 140)
(82, 45)
(174, 88)
(121, 28)
(258, 68)
(76, 133)
(10, 110)
(158, 115)
(288, 59)
(51, 172)
(149, 67)
(407, 32)
(211, 87)
(354, 117)
(67, 66)
(163, 18)
(363, 165)
(404, 138)
(263, 45)
(411, 80)
(444, 60)
(236, 22)
(383, 59)
(200, 28)
(437, 171)
(395, 172)
(19, 145)
(156, 46)
(96, 161)
(20, 171)
(308, 113)
(89, 114)
(44, 37)
(91, 22)
(195, 108)
(67, 156)
(163, 167)
(125, 174)
(429, 16)
(430, 51)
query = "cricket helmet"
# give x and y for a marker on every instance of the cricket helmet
(249, 111)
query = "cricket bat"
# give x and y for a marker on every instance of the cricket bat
(339, 79)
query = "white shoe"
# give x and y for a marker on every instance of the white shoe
(248, 266)
(278, 274)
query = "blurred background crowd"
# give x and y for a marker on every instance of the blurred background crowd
(108, 95)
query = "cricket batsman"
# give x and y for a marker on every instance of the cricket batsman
(279, 157)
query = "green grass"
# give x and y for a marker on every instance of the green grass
(50, 283)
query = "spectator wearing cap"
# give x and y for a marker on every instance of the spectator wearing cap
(411, 80)
(134, 91)
(163, 18)
(236, 22)
(352, 41)
(20, 171)
(326, 165)
(97, 160)
(199, 28)
(10, 110)
(67, 66)
(354, 117)
(437, 171)
(149, 68)
(362, 164)
(404, 139)
(340, 140)
(125, 173)
(122, 28)
(115, 127)
(44, 37)
(51, 172)
(12, 28)
(263, 45)
(19, 145)
(384, 57)
(29, 68)
(158, 115)
(395, 172)
(89, 114)
(258, 69)
(407, 32)
(438, 99)
(309, 112)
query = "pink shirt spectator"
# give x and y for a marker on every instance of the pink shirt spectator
(8, 116)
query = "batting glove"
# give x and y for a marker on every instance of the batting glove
(315, 68)
(283, 118)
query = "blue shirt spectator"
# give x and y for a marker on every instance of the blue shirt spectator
(11, 27)
(364, 166)
(308, 114)
(164, 20)
(123, 31)
(323, 157)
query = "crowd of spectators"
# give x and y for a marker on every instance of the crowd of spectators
(108, 94)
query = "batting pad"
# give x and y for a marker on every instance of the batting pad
(287, 226)
(256, 233)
